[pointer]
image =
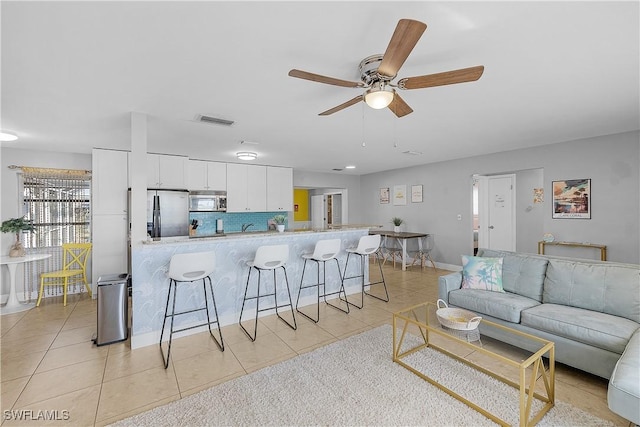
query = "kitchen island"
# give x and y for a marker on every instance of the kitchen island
(150, 284)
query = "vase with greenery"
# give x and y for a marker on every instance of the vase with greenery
(397, 222)
(16, 225)
(280, 220)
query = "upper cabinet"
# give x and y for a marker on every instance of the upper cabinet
(279, 189)
(167, 172)
(109, 182)
(202, 175)
(246, 188)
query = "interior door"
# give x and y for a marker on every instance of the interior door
(318, 218)
(494, 203)
(501, 234)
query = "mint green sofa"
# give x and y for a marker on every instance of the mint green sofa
(590, 309)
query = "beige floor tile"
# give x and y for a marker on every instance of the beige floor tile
(340, 325)
(267, 348)
(74, 336)
(139, 390)
(11, 390)
(56, 382)
(20, 366)
(307, 335)
(207, 386)
(80, 321)
(8, 321)
(126, 363)
(20, 346)
(71, 354)
(139, 410)
(77, 408)
(185, 347)
(206, 368)
(26, 329)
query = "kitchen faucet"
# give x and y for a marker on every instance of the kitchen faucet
(245, 226)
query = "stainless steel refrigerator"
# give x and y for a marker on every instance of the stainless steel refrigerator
(167, 213)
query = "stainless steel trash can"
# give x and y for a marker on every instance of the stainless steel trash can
(113, 309)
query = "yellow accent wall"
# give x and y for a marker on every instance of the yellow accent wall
(301, 201)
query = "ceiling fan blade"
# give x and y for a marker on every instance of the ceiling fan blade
(349, 103)
(440, 79)
(404, 38)
(323, 79)
(399, 107)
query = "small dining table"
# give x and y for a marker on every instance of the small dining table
(401, 237)
(13, 305)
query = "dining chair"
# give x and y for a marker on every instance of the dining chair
(74, 270)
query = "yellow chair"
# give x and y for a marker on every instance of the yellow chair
(74, 269)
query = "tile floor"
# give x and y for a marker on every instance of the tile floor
(50, 363)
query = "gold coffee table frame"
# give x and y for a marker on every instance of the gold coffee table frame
(430, 325)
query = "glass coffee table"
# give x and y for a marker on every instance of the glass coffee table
(417, 328)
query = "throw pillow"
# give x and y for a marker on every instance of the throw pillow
(482, 273)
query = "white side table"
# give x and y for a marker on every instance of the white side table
(13, 304)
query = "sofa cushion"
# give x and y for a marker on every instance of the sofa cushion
(521, 274)
(623, 395)
(597, 329)
(505, 306)
(605, 287)
(482, 273)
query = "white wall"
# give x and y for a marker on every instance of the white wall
(612, 162)
(10, 206)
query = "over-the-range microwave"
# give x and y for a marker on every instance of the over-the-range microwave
(208, 201)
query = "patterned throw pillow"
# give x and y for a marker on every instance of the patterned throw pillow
(482, 273)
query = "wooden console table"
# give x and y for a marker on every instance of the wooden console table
(603, 248)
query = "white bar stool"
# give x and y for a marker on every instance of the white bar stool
(190, 267)
(268, 258)
(367, 245)
(325, 250)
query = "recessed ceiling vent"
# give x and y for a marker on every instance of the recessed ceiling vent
(213, 120)
(337, 169)
(412, 153)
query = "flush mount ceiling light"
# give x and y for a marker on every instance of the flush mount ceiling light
(379, 96)
(7, 136)
(246, 155)
(350, 167)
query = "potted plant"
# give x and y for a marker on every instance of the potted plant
(280, 220)
(397, 222)
(16, 225)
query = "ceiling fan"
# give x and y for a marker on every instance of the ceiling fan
(377, 72)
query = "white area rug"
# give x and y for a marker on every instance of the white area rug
(353, 382)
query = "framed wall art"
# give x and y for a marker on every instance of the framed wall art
(384, 195)
(572, 199)
(416, 194)
(399, 194)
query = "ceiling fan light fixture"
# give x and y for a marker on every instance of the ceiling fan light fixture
(246, 155)
(379, 96)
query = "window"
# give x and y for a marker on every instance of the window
(59, 207)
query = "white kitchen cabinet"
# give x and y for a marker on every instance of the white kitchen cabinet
(166, 171)
(279, 189)
(246, 188)
(109, 236)
(203, 175)
(108, 182)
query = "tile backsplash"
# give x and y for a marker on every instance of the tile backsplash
(232, 221)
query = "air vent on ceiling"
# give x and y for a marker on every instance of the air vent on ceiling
(412, 153)
(337, 169)
(213, 120)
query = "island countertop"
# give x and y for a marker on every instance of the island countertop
(150, 283)
(253, 234)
